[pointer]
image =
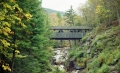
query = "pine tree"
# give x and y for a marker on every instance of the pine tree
(35, 44)
(70, 16)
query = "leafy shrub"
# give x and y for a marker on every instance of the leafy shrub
(95, 63)
(57, 70)
(117, 56)
(104, 69)
(109, 59)
(101, 57)
(85, 38)
(81, 61)
(98, 37)
(91, 71)
(71, 54)
(118, 66)
(100, 45)
(80, 54)
(94, 66)
(118, 47)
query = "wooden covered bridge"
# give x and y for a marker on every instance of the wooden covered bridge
(69, 32)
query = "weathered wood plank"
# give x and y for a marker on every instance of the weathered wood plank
(67, 35)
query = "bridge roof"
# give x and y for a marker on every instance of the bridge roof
(69, 27)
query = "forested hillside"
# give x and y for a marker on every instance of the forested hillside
(68, 18)
(99, 50)
(54, 11)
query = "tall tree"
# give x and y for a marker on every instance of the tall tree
(70, 16)
(36, 43)
(11, 16)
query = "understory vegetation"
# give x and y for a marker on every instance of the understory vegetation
(99, 51)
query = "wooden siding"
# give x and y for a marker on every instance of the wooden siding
(69, 32)
(68, 35)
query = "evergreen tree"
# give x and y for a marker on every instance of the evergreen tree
(70, 16)
(36, 43)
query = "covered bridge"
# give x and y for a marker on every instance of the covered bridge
(69, 32)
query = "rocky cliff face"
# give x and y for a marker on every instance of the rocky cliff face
(99, 51)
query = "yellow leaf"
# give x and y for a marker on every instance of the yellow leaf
(28, 16)
(21, 56)
(17, 51)
(9, 69)
(98, 9)
(6, 24)
(16, 6)
(6, 44)
(5, 11)
(15, 17)
(6, 30)
(7, 6)
(23, 25)
(6, 67)
(2, 16)
(5, 33)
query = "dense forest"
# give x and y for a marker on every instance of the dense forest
(25, 46)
